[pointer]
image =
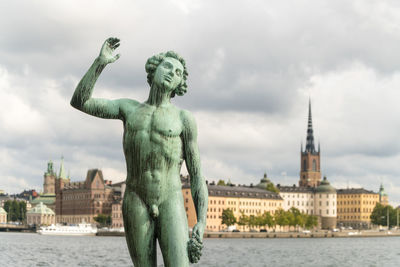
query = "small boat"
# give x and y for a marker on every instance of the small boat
(76, 230)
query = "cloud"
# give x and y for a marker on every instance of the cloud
(252, 67)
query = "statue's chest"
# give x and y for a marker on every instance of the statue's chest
(147, 122)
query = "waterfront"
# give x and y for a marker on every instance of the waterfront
(26, 249)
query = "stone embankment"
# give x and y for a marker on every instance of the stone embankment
(316, 234)
(319, 234)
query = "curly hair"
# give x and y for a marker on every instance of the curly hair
(152, 64)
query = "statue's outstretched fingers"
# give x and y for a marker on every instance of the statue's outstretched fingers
(115, 46)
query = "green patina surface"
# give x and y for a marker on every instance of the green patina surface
(157, 138)
(41, 209)
(48, 199)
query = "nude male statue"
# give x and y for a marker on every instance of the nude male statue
(157, 138)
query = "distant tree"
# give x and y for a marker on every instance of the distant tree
(380, 213)
(221, 182)
(243, 219)
(281, 217)
(271, 187)
(22, 211)
(228, 218)
(296, 218)
(259, 220)
(16, 210)
(269, 219)
(311, 221)
(252, 221)
(103, 220)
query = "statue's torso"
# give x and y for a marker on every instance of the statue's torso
(153, 151)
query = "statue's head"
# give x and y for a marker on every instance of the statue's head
(169, 70)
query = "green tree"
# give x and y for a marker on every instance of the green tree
(16, 210)
(269, 219)
(103, 220)
(221, 182)
(228, 218)
(271, 187)
(22, 211)
(380, 214)
(296, 218)
(260, 220)
(243, 219)
(311, 221)
(281, 217)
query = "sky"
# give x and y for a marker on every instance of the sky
(253, 66)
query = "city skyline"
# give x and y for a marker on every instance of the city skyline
(252, 69)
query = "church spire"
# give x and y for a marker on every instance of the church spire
(62, 170)
(310, 147)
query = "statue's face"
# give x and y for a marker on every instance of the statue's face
(169, 74)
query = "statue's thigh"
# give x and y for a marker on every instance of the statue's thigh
(173, 231)
(139, 231)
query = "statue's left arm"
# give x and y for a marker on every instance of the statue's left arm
(197, 182)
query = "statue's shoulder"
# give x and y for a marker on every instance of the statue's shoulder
(128, 104)
(188, 121)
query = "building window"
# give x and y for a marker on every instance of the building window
(304, 165)
(314, 165)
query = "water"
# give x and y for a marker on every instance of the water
(23, 249)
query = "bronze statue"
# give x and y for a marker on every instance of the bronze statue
(158, 137)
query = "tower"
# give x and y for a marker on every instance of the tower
(310, 165)
(49, 179)
(383, 197)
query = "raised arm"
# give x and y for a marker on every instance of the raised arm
(103, 108)
(197, 182)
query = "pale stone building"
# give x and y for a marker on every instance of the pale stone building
(239, 199)
(41, 215)
(326, 204)
(3, 215)
(319, 201)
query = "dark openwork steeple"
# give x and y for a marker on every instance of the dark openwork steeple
(310, 164)
(310, 147)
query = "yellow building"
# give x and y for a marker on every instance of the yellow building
(249, 200)
(354, 207)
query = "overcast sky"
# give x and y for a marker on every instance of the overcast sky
(253, 65)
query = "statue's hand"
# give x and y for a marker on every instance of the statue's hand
(198, 231)
(195, 244)
(106, 52)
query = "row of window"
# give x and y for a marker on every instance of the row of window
(244, 203)
(355, 210)
(82, 196)
(349, 217)
(358, 195)
(351, 202)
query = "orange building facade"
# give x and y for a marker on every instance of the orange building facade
(354, 207)
(249, 200)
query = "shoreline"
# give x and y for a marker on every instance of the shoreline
(352, 234)
(328, 234)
